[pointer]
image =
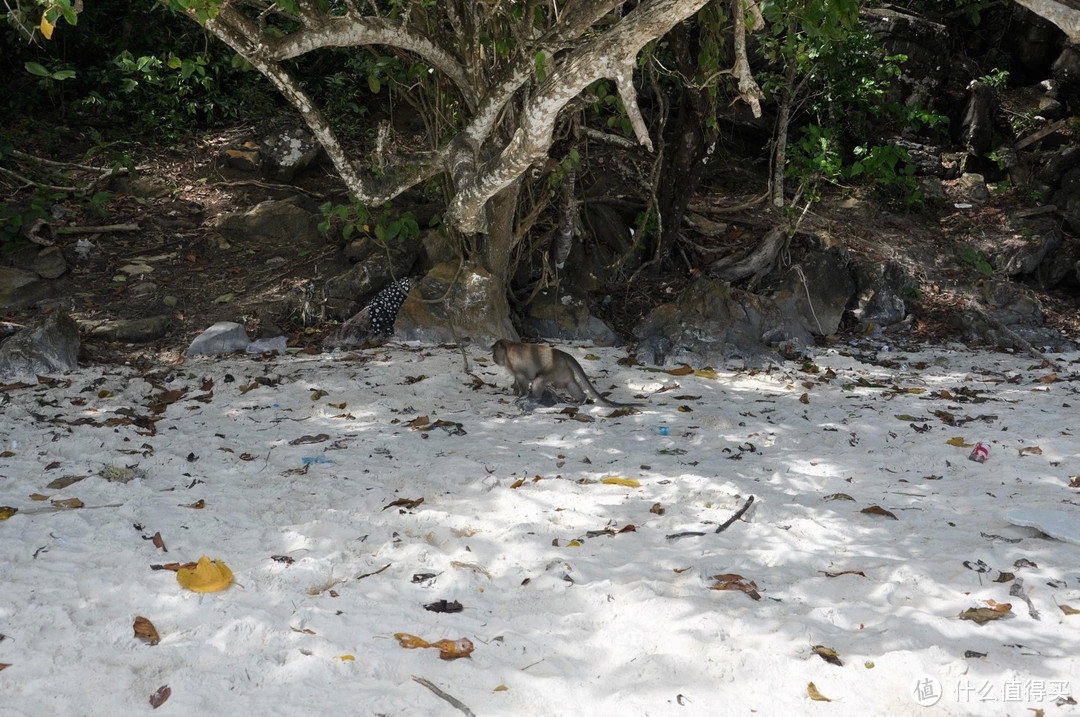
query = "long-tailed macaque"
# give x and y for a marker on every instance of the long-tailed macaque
(535, 367)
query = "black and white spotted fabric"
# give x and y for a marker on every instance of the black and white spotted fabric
(384, 307)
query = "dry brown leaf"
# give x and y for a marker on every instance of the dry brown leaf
(68, 503)
(805, 398)
(4, 665)
(829, 655)
(1069, 610)
(814, 694)
(518, 483)
(158, 698)
(842, 572)
(1048, 378)
(197, 505)
(878, 510)
(1075, 483)
(145, 629)
(407, 503)
(732, 581)
(304, 440)
(838, 496)
(420, 423)
(683, 370)
(983, 615)
(1031, 451)
(63, 482)
(159, 542)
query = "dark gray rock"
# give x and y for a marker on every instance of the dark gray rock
(50, 263)
(221, 338)
(127, 330)
(880, 295)
(287, 151)
(46, 347)
(292, 221)
(565, 318)
(21, 289)
(474, 309)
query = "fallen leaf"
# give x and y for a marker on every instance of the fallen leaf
(628, 482)
(453, 649)
(159, 542)
(444, 606)
(347, 658)
(407, 503)
(501, 688)
(1048, 378)
(878, 510)
(4, 665)
(145, 629)
(1075, 483)
(829, 655)
(63, 482)
(206, 577)
(303, 440)
(1069, 610)
(158, 698)
(683, 370)
(1031, 451)
(419, 422)
(812, 690)
(68, 503)
(958, 441)
(705, 373)
(805, 398)
(38, 497)
(197, 505)
(732, 581)
(838, 496)
(983, 615)
(411, 642)
(843, 572)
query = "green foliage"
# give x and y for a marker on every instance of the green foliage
(352, 220)
(978, 260)
(134, 65)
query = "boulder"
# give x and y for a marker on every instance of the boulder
(565, 318)
(448, 306)
(46, 347)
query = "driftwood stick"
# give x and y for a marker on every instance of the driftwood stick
(738, 514)
(96, 230)
(449, 698)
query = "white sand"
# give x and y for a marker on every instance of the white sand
(622, 624)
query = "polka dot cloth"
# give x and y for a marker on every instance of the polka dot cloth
(384, 307)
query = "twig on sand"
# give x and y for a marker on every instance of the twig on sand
(738, 514)
(449, 698)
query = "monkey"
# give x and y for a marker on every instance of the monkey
(535, 367)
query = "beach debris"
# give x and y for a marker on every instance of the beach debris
(815, 694)
(878, 510)
(983, 615)
(158, 698)
(732, 581)
(145, 630)
(829, 655)
(205, 576)
(448, 649)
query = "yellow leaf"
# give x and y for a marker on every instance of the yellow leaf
(411, 641)
(628, 482)
(574, 544)
(347, 658)
(812, 690)
(38, 496)
(208, 576)
(501, 688)
(958, 441)
(1069, 610)
(46, 27)
(6, 511)
(705, 373)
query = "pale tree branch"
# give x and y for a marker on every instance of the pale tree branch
(602, 55)
(749, 91)
(1065, 16)
(624, 79)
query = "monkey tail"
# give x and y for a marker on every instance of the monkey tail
(586, 385)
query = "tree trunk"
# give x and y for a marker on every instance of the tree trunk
(685, 161)
(499, 243)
